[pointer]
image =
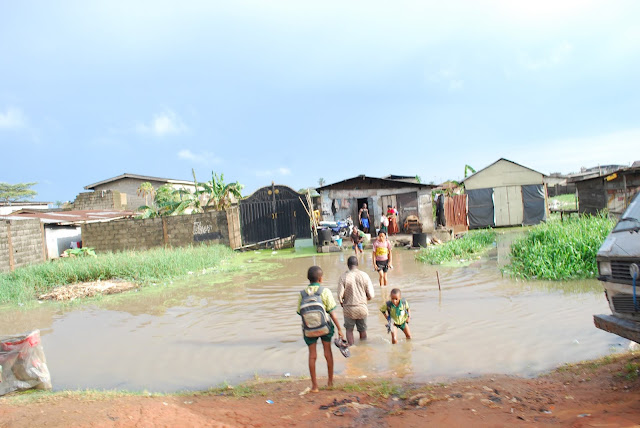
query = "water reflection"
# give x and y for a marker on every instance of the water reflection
(203, 332)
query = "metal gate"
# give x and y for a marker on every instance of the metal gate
(273, 212)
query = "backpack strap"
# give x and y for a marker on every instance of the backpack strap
(320, 290)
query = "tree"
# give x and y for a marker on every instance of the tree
(16, 192)
(321, 181)
(418, 179)
(167, 201)
(216, 193)
(145, 190)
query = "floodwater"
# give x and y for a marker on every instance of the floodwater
(200, 334)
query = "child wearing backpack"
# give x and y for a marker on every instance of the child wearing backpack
(396, 310)
(316, 308)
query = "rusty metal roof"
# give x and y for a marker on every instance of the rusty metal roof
(70, 217)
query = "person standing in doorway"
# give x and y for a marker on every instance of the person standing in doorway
(363, 214)
(382, 257)
(354, 290)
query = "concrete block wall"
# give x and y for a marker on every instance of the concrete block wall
(21, 243)
(173, 231)
(107, 200)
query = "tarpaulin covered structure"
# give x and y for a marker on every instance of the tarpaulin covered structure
(505, 194)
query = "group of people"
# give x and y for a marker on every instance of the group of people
(388, 221)
(316, 306)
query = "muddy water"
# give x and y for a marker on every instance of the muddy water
(200, 334)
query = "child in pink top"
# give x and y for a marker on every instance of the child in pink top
(382, 257)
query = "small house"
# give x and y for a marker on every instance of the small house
(121, 192)
(345, 198)
(505, 194)
(613, 191)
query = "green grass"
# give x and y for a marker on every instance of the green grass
(567, 201)
(143, 267)
(471, 244)
(560, 250)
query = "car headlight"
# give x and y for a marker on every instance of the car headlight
(604, 268)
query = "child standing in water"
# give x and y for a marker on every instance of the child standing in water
(396, 309)
(382, 257)
(315, 306)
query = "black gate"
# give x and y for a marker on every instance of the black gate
(273, 212)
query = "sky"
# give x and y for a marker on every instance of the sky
(294, 91)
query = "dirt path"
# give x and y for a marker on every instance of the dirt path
(603, 393)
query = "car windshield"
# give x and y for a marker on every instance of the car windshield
(630, 220)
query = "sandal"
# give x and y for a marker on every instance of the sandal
(343, 345)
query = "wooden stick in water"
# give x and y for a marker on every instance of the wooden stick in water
(438, 276)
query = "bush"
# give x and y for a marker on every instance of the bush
(474, 242)
(560, 250)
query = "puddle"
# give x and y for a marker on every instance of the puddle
(204, 332)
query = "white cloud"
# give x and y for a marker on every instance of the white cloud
(554, 57)
(13, 118)
(206, 158)
(570, 154)
(448, 78)
(163, 124)
(282, 171)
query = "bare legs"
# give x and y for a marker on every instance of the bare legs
(382, 277)
(313, 356)
(394, 333)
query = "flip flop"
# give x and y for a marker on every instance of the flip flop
(343, 345)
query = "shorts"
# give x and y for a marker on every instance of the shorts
(401, 326)
(383, 265)
(361, 325)
(365, 222)
(360, 246)
(326, 338)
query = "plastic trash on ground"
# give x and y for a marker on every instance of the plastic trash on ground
(22, 363)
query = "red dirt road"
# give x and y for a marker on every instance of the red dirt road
(591, 394)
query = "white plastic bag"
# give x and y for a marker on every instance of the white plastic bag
(22, 363)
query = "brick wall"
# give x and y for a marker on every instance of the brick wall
(107, 200)
(21, 243)
(173, 231)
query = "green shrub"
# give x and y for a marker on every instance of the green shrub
(472, 243)
(560, 250)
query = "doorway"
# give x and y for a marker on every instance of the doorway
(361, 202)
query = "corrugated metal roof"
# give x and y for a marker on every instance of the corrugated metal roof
(398, 183)
(70, 217)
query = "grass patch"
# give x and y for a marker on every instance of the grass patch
(560, 250)
(143, 267)
(631, 371)
(382, 388)
(566, 201)
(471, 244)
(32, 396)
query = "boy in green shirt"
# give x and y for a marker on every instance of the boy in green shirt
(314, 275)
(397, 310)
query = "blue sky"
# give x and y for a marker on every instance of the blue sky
(291, 91)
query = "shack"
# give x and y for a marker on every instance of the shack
(505, 194)
(613, 191)
(412, 200)
(61, 230)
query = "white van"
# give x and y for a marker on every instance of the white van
(619, 270)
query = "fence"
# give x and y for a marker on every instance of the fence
(216, 227)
